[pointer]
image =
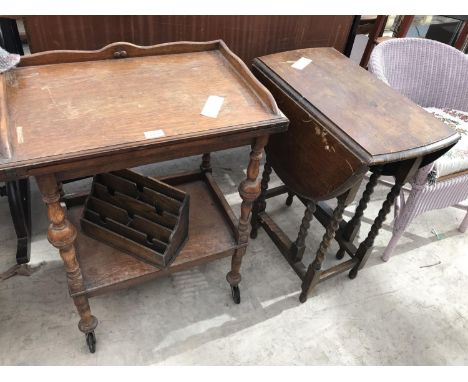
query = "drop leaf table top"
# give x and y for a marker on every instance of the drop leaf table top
(343, 121)
(374, 117)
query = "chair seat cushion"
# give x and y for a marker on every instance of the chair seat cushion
(456, 159)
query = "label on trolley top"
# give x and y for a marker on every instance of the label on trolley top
(301, 63)
(154, 134)
(212, 106)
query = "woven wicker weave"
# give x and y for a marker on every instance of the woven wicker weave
(431, 74)
(8, 60)
(428, 72)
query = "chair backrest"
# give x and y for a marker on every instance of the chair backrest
(430, 73)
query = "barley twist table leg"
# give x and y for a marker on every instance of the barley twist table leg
(363, 251)
(298, 247)
(260, 204)
(312, 276)
(290, 198)
(249, 190)
(404, 171)
(353, 225)
(62, 235)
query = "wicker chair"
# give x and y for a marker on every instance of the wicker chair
(433, 75)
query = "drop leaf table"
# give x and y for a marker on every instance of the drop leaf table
(72, 114)
(344, 122)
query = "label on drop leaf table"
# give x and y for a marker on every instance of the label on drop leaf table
(154, 134)
(212, 106)
(301, 63)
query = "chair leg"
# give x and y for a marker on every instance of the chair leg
(392, 244)
(397, 205)
(464, 223)
(406, 214)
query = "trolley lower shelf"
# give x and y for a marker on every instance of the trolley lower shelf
(212, 235)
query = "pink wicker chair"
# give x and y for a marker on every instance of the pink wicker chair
(433, 75)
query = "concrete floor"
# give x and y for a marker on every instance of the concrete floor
(400, 312)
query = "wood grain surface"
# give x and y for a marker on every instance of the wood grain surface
(311, 161)
(247, 36)
(209, 238)
(373, 117)
(137, 215)
(104, 103)
(101, 105)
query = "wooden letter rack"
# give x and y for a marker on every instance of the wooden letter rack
(138, 215)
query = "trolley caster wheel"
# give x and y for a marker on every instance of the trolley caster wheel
(91, 341)
(253, 234)
(303, 297)
(235, 292)
(353, 273)
(340, 254)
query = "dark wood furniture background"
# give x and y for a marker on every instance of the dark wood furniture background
(343, 122)
(375, 35)
(461, 41)
(247, 36)
(72, 114)
(9, 36)
(456, 36)
(453, 31)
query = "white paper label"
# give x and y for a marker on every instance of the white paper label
(212, 106)
(19, 134)
(301, 63)
(154, 134)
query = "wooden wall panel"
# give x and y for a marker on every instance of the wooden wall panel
(247, 36)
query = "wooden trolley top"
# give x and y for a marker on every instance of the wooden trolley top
(64, 105)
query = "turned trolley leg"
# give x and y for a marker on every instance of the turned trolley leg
(62, 235)
(259, 205)
(298, 247)
(353, 225)
(249, 190)
(312, 276)
(406, 171)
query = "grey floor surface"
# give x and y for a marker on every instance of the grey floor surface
(412, 310)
